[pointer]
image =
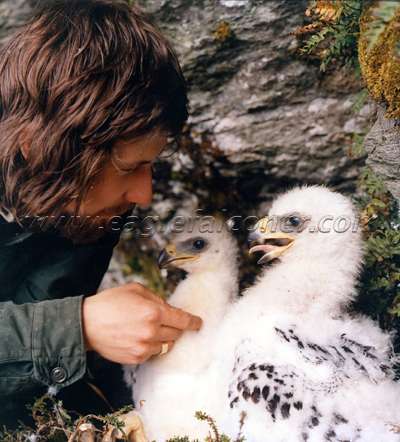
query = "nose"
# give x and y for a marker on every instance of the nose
(141, 188)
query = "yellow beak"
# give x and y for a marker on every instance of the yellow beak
(273, 244)
(170, 256)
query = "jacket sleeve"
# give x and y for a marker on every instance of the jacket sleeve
(41, 344)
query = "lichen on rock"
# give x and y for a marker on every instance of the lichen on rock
(380, 59)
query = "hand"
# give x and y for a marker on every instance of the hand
(128, 324)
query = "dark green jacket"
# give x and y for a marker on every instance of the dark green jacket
(43, 278)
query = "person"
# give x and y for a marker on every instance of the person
(90, 94)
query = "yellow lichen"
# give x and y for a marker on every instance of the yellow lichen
(223, 32)
(380, 64)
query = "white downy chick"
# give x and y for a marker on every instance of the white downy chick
(291, 364)
(170, 388)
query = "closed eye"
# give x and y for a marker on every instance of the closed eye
(129, 170)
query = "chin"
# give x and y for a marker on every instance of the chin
(109, 213)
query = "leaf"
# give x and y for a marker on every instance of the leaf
(328, 10)
(383, 12)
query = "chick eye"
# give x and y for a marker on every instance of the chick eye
(199, 244)
(294, 221)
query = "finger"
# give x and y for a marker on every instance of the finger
(168, 334)
(152, 349)
(146, 293)
(177, 318)
(160, 347)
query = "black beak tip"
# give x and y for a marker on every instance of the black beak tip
(253, 237)
(162, 259)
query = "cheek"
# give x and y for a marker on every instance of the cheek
(107, 186)
(107, 189)
(141, 180)
(111, 188)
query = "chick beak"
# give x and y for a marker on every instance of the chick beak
(254, 237)
(171, 256)
(166, 256)
(162, 259)
(272, 244)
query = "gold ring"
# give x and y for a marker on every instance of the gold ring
(164, 348)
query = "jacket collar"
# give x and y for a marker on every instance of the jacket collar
(10, 231)
(6, 214)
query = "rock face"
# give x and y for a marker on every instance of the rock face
(13, 13)
(383, 147)
(261, 108)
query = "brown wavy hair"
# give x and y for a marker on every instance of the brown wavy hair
(80, 75)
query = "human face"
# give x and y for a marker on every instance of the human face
(126, 179)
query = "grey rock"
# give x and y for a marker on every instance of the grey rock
(255, 101)
(383, 147)
(13, 13)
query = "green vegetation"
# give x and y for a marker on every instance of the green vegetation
(54, 424)
(333, 33)
(380, 282)
(366, 35)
